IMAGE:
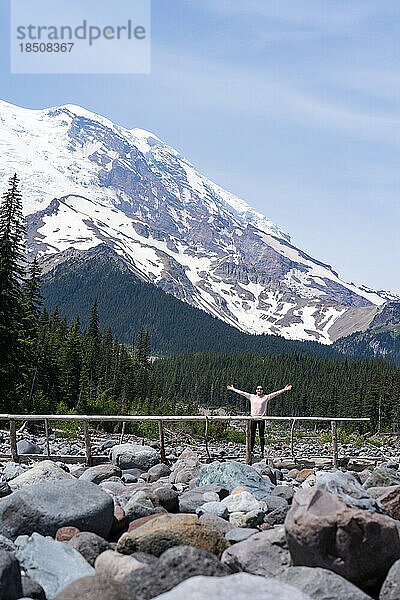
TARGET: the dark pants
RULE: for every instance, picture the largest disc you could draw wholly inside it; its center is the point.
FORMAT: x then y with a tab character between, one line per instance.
261	431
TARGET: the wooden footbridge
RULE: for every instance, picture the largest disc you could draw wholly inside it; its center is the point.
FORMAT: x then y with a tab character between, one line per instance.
160	419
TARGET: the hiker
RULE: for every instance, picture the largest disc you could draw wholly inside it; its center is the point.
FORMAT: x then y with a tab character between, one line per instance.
258	408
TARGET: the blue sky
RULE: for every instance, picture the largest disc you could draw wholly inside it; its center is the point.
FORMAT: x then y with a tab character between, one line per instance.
292	105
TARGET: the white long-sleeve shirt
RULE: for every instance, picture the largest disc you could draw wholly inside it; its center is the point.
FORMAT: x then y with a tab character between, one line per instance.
258	404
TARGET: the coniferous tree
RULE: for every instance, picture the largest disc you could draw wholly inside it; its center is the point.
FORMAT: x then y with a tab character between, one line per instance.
12	356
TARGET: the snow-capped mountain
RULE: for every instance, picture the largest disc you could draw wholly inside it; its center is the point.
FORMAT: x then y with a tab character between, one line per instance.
87	181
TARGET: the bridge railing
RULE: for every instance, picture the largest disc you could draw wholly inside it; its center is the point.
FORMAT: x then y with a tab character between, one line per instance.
161	419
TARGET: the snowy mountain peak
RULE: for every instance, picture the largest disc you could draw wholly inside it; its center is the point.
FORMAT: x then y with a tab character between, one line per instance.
87	182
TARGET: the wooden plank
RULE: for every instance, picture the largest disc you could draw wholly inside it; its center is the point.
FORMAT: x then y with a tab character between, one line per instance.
46	429
89	459
161	440
334	446
248	443
13	441
170	418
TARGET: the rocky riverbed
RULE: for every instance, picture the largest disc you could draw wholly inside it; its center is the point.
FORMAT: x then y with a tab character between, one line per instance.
134	528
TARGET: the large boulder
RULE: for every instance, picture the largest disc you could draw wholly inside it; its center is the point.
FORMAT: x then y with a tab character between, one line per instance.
349	489
53	565
321	584
323	531
27	447
391	586
166	531
134	456
10	576
174	566
99	473
160	470
240	586
185	468
382	477
45	507
265	553
96	587
391	501
231	474
46	470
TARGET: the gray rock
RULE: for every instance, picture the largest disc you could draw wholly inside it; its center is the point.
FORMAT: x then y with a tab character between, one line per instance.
277	516
323	531
116	566
185	468
107	445
160	470
128	456
89	545
220	524
284	491
5	489
240	586
272	503
12	470
190	501
167	498
99	473
264	469
349	489
174	566
265	553
231	474
382	477
239	534
53	565
250	519
377	492
27	447
321	584
10	576
45	507
391	586
7	544
242	502
96	587
32	589
216	508
46	470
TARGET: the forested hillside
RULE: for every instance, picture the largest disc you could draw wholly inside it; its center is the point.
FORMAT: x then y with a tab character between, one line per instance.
321	386
126	303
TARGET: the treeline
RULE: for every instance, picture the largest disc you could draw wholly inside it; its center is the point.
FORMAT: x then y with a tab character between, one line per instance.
321	386
48	365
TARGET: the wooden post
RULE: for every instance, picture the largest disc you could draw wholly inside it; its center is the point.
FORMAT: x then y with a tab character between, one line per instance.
89	459
334	445
46	429
206	439
291	438
13	441
122	432
248	442
161	439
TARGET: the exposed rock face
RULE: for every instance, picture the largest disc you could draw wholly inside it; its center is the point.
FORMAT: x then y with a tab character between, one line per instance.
45	507
10	576
323	531
391	502
391	586
172	225
96	587
382	477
